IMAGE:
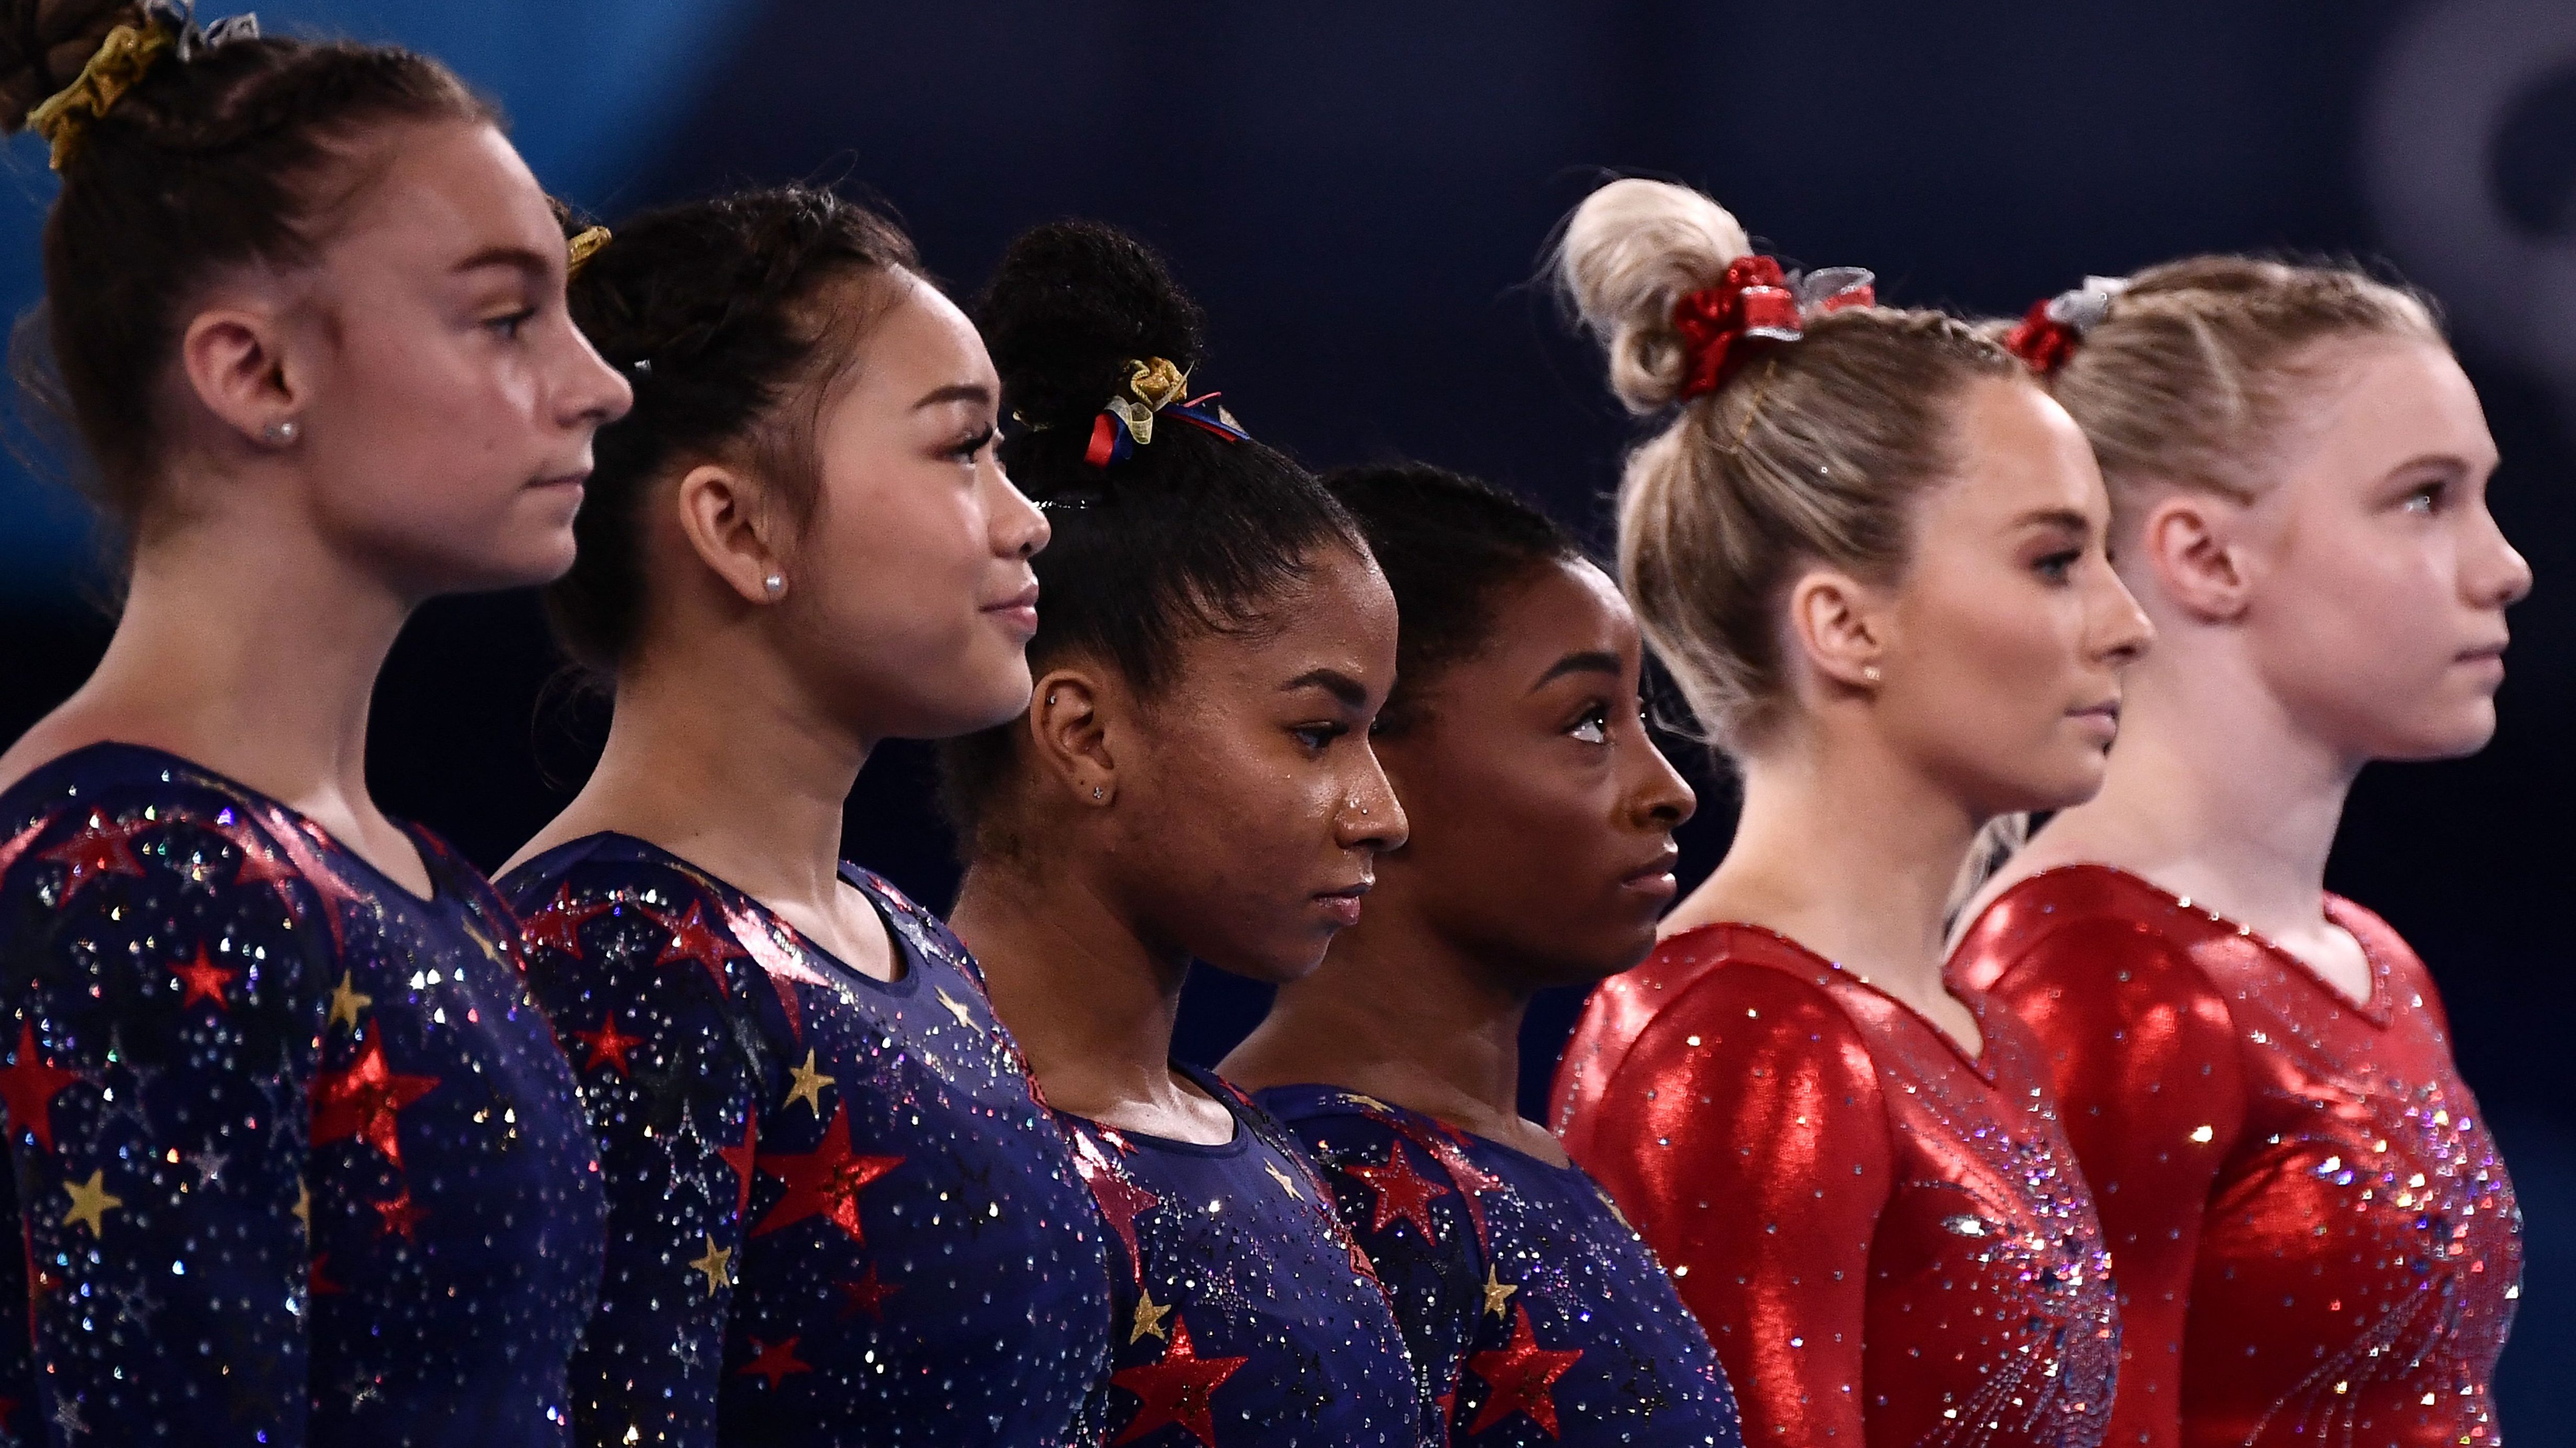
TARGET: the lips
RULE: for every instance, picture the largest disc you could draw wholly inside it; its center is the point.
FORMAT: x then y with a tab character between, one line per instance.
1342	906
1019	611
1655	877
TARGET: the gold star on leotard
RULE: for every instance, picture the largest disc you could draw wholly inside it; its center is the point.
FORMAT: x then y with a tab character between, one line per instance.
958	1009
347	1001
806	1085
717	1264
1281	1177
91	1202
1149	1318
1496	1290
304	1205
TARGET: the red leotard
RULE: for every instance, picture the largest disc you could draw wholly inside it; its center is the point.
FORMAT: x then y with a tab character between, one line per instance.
2314	1242
1887	1242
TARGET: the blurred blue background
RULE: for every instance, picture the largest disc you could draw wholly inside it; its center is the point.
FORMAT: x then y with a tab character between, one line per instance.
1359	194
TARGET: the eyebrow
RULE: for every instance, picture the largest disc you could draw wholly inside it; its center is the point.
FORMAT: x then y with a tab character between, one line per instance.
1586	661
2066	518
955	392
1350	691
518	258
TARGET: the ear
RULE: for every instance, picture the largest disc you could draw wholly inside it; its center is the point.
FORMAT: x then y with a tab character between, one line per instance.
1835	620
728	522
2192	542
1070	715
235	361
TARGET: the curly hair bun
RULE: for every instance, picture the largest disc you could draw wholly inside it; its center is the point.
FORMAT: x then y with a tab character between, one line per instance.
1072	307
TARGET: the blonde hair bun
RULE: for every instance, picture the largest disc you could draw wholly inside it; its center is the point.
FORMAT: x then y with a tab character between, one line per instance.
1630	251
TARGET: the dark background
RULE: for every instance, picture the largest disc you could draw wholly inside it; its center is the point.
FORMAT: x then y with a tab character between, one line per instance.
1359	195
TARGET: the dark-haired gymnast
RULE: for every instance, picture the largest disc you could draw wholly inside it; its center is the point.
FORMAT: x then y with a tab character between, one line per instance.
1541	852
1193	779
838	1213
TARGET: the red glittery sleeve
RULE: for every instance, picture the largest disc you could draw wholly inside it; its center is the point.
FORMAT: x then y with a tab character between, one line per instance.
1744	1135
2142	1051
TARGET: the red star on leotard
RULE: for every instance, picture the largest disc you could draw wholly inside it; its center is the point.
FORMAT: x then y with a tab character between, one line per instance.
824	1182
1520	1377
205	981
694	939
1175	1390
1403	1194
773	1361
318	1279
401	1217
19	842
558	925
866	1295
103	847
1121	1203
28	1087
608	1045
364	1102
739	1157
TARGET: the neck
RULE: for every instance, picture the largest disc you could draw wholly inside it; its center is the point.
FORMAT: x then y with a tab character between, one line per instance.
253	651
714	755
1850	853
1403	1013
1090	1000
2214	792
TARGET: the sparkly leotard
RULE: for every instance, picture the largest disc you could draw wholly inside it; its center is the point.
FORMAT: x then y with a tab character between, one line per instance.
296	1160
838	1213
1533	1313
1247	1318
2316	1242
1887	1241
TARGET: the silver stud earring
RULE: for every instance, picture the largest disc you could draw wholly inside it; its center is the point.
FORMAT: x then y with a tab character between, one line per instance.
1050	701
775	584
1869	672
1097	792
281	432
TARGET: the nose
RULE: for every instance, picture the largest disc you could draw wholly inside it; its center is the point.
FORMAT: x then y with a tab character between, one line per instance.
2499	576
1660	799
1371	818
594	393
2122	632
1020	527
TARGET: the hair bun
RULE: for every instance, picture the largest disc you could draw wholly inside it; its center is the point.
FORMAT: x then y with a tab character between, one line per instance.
1072	306
1630	251
45	43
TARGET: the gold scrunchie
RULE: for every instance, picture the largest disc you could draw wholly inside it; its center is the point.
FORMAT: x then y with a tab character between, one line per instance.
122	59
582	247
1156	383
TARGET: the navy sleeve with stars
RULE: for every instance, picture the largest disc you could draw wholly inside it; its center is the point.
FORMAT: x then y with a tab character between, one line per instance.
165	992
632	972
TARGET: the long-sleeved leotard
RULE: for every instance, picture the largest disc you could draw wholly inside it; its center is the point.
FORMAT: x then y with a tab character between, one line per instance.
2316	1242
1247	1317
838	1211
1887	1241
295	1158
1533	1313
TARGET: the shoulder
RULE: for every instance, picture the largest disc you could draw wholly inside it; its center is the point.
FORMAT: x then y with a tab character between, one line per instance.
2088	924
2409	980
920	929
567	899
1333	1122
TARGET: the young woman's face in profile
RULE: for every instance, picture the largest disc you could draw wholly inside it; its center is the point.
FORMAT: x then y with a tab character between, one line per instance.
2009	628
911	583
1541	812
1250	809
2380	580
452	417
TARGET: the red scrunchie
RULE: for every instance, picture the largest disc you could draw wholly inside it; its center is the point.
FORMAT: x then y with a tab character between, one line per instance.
2041	341
1753	302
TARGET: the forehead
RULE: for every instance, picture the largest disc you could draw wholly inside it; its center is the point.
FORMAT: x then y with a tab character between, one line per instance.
2378	403
2015	452
914	338
1561	606
432	194
1340	615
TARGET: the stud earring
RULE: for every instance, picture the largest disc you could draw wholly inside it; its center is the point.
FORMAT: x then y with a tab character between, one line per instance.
775	584
281	432
1096	792
1869	672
